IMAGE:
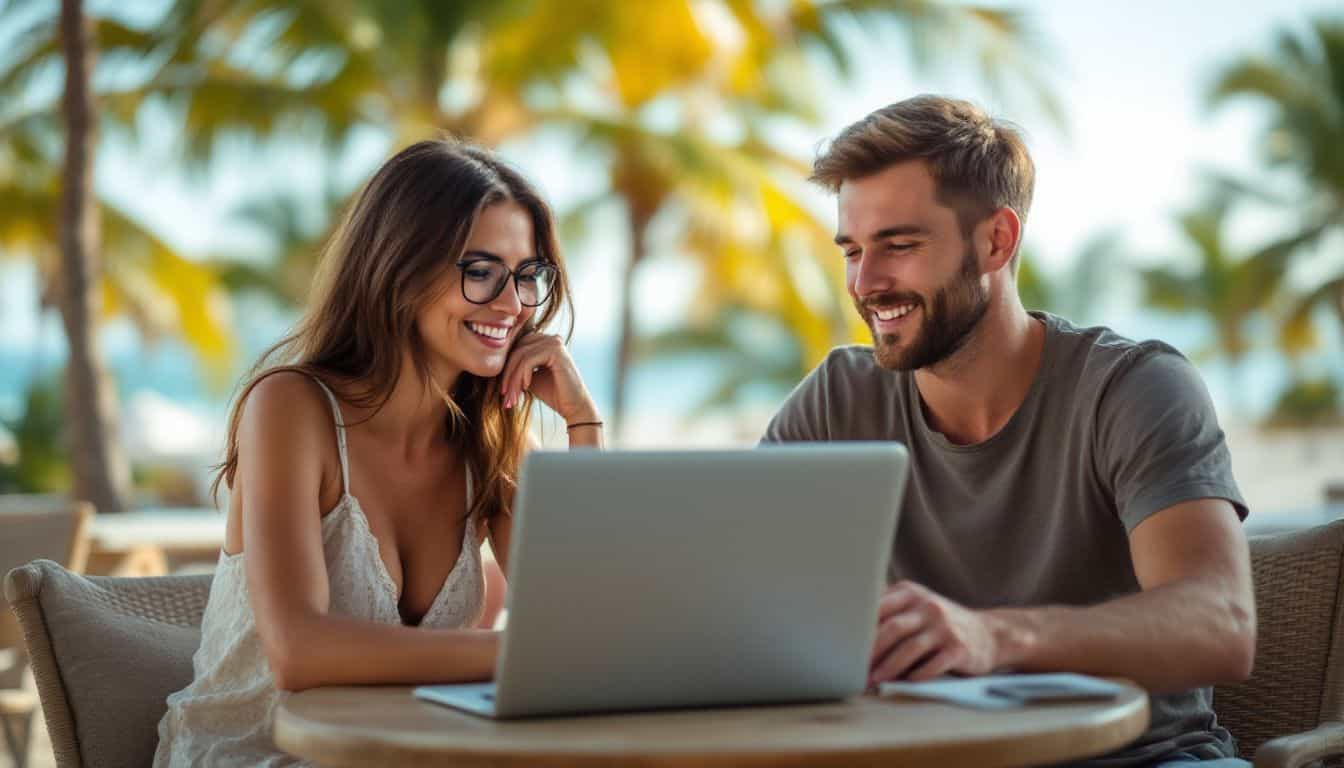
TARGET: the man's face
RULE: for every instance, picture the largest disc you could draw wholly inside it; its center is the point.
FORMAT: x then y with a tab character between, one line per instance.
914	278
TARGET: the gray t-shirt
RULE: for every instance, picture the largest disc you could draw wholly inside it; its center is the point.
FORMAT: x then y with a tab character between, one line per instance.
1111	432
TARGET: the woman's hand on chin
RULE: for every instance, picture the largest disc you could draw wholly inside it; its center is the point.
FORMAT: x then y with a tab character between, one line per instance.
539	363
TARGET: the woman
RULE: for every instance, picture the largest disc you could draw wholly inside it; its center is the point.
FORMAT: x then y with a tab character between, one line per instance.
352	552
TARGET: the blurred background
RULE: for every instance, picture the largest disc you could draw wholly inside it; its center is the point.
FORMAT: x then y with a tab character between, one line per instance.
1190	188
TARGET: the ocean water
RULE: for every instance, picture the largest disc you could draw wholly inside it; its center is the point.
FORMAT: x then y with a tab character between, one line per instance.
168	370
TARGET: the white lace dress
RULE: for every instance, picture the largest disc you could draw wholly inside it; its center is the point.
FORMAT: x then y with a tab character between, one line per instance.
223	718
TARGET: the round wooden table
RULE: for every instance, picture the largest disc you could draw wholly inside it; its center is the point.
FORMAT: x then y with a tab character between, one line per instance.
385	726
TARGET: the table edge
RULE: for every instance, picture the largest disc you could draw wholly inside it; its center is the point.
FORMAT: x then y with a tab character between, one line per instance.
336	746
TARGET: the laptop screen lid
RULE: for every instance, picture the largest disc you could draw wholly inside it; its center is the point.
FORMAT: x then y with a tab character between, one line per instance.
646	579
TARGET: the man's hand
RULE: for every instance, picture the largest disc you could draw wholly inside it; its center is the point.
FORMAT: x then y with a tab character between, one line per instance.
921	635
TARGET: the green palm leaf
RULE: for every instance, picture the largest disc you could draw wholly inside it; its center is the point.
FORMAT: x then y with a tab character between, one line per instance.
1302	83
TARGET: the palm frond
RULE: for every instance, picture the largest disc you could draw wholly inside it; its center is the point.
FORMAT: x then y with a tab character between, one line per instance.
1009	50
1329	294
1261	275
167	293
1258	77
1171	291
1223	183
27	216
686	341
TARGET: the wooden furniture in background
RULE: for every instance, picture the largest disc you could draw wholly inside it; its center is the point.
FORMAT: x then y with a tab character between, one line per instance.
154	543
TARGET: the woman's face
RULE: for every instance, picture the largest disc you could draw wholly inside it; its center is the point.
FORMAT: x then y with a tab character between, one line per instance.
460	335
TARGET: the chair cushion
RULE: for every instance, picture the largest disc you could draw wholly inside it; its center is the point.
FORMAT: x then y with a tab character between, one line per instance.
117	667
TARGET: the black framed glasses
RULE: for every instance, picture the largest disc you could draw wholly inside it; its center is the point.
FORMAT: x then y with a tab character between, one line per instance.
483	279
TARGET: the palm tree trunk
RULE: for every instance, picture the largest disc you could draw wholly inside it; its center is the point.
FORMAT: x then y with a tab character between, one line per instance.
101	475
625	347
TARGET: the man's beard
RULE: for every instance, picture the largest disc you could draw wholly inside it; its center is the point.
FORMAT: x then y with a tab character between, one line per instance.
947	321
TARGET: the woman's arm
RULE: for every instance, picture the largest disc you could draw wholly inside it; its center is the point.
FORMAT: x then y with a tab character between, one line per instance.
539	363
286	441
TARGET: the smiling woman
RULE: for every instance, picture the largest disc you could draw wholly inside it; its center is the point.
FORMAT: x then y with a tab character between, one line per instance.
358	559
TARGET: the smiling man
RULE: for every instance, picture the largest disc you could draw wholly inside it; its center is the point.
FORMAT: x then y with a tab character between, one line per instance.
1071	505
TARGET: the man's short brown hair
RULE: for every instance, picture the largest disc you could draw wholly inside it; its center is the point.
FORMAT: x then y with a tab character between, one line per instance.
978	164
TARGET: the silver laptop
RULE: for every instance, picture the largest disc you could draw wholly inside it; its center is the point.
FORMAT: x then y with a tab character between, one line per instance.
650	580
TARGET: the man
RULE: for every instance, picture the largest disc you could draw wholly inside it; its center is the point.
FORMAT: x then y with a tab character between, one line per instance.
1071	505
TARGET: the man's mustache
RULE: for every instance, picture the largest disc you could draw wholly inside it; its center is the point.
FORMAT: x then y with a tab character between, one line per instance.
869	303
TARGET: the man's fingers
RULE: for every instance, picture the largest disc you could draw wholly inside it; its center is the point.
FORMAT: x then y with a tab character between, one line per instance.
905	655
892	631
899	598
946	660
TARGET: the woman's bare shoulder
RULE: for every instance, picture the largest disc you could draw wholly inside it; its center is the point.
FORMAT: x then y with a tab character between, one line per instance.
287	405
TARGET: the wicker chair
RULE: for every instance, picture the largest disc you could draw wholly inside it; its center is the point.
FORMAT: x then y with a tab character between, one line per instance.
1298	684
106	652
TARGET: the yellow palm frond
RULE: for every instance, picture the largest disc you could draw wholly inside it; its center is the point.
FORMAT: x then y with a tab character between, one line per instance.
646	65
166	293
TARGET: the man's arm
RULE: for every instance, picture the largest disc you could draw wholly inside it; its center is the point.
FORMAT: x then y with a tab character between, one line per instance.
1193	623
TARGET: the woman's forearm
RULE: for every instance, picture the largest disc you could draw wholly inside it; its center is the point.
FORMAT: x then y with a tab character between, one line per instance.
586	435
340	650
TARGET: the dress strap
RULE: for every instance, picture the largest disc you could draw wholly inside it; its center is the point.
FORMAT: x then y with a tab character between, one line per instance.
340	435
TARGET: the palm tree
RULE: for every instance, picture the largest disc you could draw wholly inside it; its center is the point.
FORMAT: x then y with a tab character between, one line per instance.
100	474
713	184
493	70
1302	86
1229	288
49	213
325	69
401	61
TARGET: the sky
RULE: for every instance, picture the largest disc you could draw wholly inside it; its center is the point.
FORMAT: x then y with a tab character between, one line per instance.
1131	78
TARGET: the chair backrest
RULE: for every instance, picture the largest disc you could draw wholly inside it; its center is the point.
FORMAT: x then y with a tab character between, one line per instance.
106	652
1298	682
30	502
53	529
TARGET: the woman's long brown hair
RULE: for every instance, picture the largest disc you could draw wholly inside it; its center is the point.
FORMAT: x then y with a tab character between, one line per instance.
405	231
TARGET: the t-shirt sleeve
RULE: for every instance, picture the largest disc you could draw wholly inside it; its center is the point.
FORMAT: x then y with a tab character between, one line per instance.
1159	442
803	417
